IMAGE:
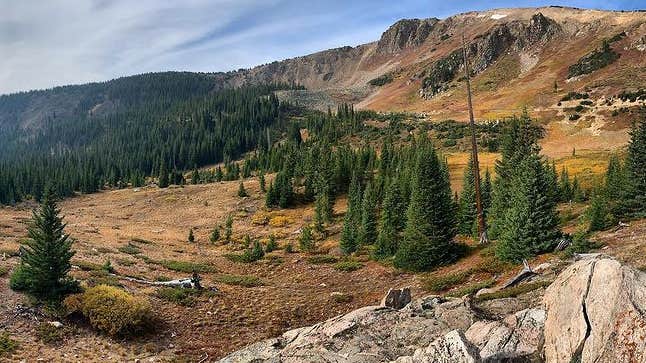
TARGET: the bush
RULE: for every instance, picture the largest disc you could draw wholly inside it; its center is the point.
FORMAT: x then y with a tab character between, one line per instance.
49	334
445	282
3	271
348	266
289	248
513	291
7	345
306	240
322	259
186	266
111	310
130	249
178	295
240	280
272	245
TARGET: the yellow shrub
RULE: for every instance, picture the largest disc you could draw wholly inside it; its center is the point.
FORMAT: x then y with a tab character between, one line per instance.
279	221
260	218
111	310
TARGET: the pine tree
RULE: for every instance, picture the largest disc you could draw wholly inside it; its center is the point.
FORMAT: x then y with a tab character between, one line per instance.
519	140
228	228
368	232
468	213
391	222
45	256
195	176
636	168
430	224
565	188
530	225
215	234
191	236
598	214
163	175
352	222
306	240
261	181
242	192
272	245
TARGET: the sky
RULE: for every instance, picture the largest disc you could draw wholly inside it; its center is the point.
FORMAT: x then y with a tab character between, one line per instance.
58	42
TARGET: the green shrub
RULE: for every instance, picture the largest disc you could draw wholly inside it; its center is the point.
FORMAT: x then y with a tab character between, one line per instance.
178	295
272	245
87	266
141	240
289	248
445	282
240	280
321	259
513	291
186	266
348	266
130	249
7	345
49	334
342	298
111	310
3	271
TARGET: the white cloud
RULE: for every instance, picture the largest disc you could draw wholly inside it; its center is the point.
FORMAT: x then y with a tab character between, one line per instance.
57	42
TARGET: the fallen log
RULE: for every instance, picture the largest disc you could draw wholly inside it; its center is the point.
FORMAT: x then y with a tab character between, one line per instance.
525	273
563	244
193	282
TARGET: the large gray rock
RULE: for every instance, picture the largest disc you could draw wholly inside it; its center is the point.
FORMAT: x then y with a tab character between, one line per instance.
397	298
595	313
519	336
370	334
451	348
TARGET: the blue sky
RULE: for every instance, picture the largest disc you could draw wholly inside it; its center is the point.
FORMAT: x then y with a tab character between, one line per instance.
57	42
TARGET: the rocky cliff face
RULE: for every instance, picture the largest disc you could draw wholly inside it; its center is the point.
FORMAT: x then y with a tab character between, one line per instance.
404	34
592	312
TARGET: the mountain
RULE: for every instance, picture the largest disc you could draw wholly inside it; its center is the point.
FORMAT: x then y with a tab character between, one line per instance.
581	72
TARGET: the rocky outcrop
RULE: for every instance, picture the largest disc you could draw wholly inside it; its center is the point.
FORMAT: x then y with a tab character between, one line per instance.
404	34
431	329
592	312
596	313
484	50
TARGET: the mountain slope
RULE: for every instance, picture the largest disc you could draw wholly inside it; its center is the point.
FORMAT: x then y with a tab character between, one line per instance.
520	58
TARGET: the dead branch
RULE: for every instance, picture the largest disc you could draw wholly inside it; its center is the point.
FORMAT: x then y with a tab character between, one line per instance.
522	275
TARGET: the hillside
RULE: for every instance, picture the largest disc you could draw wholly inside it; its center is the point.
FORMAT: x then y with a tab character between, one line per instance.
530	57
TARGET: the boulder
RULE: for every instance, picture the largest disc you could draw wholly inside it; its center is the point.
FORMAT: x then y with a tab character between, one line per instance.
367	335
517	337
397	298
595	313
451	348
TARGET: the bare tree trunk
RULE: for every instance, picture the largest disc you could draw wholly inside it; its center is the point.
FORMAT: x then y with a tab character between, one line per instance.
482	226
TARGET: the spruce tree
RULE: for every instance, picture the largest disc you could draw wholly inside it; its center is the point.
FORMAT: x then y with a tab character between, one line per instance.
228	228
45	256
430	224
261	181
529	225
306	240
391	222
163	175
519	140
242	192
352	221
215	234
368	232
468	214
636	168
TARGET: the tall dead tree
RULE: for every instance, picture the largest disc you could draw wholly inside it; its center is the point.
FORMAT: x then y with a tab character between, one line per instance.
482	226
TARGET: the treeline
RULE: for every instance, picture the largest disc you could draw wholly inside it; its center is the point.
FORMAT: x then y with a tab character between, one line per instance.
148	139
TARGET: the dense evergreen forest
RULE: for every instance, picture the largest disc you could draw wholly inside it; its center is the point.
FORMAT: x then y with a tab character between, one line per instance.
176	123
